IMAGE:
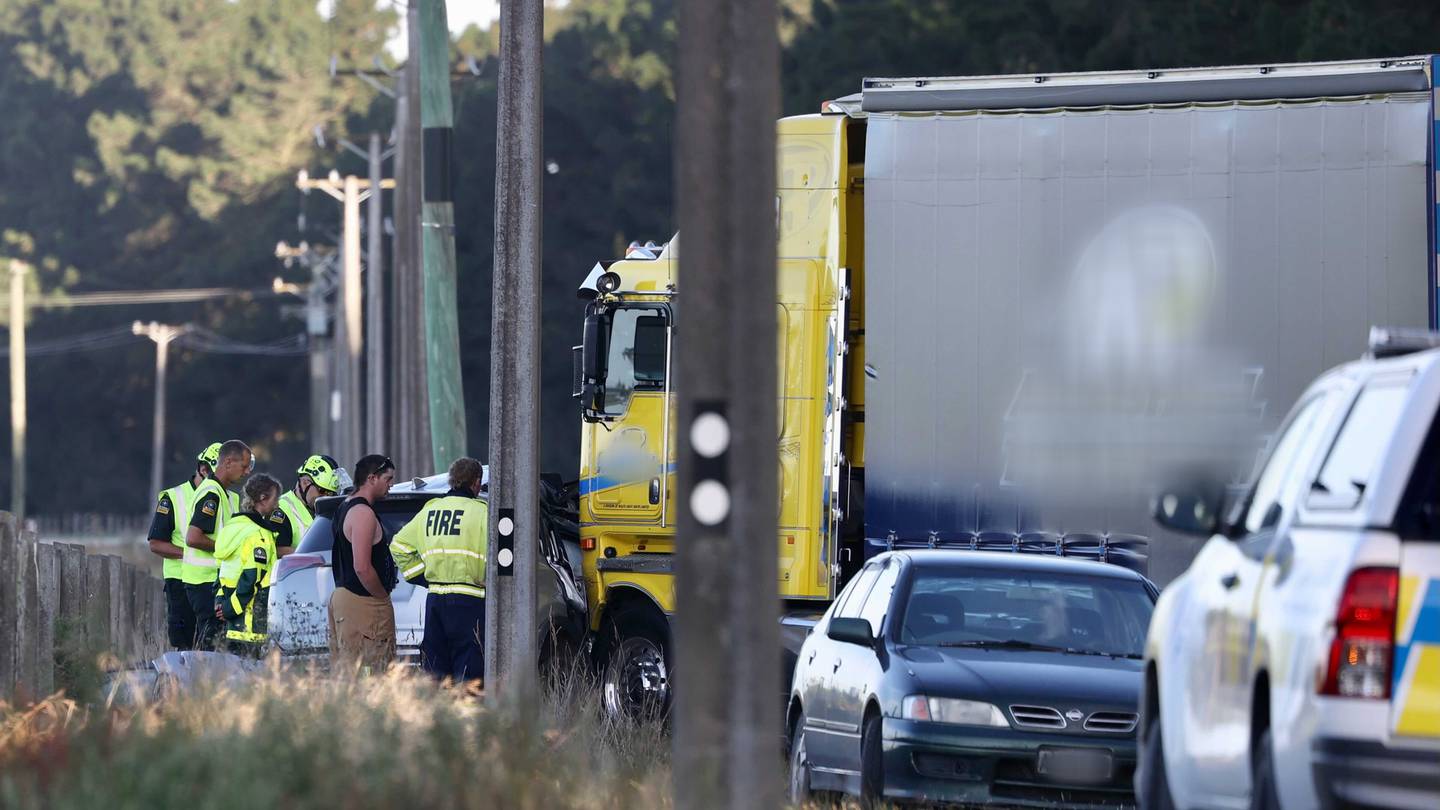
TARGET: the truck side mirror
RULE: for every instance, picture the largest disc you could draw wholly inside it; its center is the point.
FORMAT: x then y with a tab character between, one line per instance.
590	382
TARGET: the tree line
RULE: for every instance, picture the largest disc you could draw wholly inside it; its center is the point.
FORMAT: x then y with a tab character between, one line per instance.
153	144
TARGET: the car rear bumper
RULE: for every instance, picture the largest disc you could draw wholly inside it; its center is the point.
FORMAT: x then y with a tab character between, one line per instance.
1370	774
935	762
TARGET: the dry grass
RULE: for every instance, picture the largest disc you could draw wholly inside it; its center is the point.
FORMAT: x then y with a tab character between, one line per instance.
287	738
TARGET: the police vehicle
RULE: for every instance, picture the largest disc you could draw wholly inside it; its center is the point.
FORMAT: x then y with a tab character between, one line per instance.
1296	663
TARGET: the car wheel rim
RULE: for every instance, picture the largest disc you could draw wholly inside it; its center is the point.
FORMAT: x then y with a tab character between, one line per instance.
637	682
798	769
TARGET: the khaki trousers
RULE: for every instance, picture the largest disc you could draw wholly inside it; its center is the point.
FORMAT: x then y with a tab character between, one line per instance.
362	630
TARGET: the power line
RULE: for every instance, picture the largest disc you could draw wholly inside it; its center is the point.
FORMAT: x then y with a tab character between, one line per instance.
197	339
203	340
103	339
122	297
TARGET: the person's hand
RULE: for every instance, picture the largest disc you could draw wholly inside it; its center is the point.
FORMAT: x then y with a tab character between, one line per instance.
219	612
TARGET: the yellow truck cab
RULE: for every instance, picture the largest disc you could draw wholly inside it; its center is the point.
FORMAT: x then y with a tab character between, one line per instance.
628	444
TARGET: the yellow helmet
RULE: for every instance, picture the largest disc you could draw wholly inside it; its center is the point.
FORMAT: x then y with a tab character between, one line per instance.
210	455
322	470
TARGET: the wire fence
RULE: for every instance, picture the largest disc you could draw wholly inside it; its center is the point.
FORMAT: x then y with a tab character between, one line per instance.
87	524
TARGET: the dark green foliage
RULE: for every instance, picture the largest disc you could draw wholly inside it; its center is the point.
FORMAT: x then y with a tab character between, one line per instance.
153	143
848	40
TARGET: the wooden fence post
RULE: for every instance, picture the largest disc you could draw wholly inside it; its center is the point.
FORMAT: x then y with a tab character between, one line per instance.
159	622
8	603
47	588
97	605
125	644
73	597
27	666
117	603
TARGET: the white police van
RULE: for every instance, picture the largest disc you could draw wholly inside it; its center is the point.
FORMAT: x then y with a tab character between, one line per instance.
1296	663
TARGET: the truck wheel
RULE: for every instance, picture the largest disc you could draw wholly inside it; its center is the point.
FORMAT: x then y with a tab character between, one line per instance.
799	764
1152	786
635	683
1263	795
872	764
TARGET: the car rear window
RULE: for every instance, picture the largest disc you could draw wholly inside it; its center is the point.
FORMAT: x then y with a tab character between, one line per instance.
1106	615
393	516
1355	456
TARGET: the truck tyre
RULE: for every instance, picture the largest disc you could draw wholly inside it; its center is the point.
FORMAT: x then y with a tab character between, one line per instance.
635	681
872	763
1152	786
799	764
1263	795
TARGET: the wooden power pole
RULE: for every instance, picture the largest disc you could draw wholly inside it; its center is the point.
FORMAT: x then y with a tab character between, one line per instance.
514	439
437	237
411	420
375	368
727	723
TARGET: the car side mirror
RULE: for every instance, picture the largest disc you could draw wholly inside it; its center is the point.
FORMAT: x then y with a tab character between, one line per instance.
851	631
1192	507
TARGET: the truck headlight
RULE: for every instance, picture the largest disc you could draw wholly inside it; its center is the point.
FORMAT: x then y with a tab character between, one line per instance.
952	710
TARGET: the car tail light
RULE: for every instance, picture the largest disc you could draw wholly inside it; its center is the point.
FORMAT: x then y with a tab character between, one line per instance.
1363	651
296	562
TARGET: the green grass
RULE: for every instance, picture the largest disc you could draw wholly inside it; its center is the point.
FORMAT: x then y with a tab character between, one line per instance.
300	739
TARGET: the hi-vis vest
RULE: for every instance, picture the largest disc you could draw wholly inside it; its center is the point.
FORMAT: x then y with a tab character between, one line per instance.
241	548
199	567
182	497
447	543
298	514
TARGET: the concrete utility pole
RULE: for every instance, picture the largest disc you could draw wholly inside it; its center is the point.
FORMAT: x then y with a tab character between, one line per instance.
375	369
161	334
413	448
349	333
18	270
345	410
510	635
727	637
317	329
437	237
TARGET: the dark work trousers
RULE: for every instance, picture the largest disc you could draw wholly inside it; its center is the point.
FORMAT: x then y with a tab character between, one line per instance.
179	616
454	642
202	601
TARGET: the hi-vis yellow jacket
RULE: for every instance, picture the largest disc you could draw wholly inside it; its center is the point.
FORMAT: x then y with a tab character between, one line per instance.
443	547
247	554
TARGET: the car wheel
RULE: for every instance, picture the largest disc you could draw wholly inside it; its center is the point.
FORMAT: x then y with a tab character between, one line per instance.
799	764
1263	795
1152	785
872	764
636	680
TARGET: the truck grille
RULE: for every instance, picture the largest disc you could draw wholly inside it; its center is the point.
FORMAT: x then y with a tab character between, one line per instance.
1112	722
1036	717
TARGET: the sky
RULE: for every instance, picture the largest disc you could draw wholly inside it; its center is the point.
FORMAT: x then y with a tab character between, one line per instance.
458	13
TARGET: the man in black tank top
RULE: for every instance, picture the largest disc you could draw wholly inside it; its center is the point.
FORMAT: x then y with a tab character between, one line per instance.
362	619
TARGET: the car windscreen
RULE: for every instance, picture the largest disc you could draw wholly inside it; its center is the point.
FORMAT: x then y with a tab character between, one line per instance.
1005	608
393	516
